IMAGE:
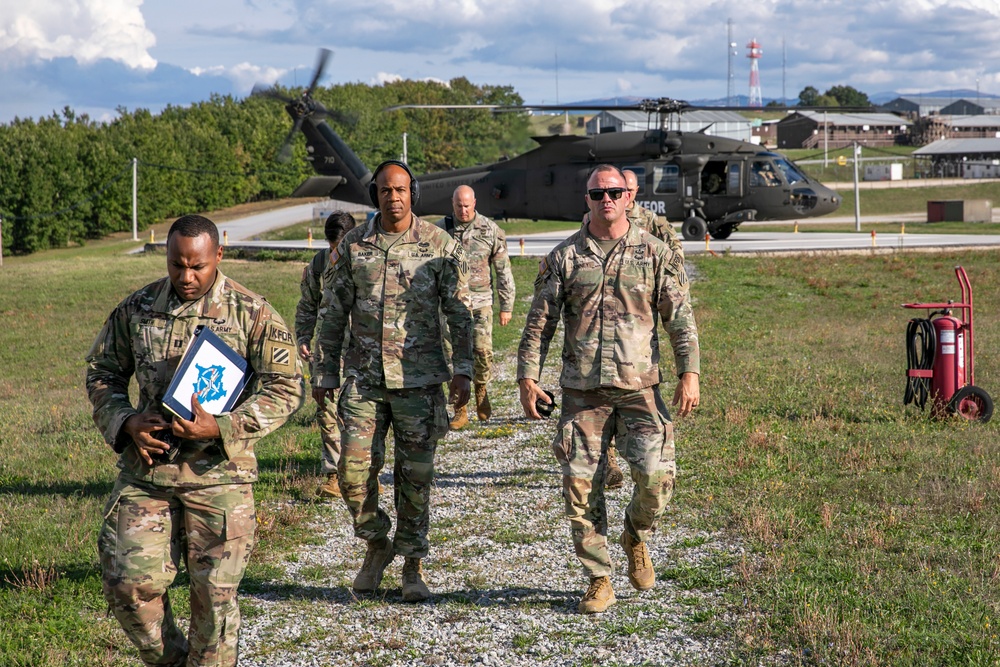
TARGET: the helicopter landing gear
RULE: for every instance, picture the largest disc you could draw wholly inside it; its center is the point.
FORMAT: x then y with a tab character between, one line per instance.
722	232
694	229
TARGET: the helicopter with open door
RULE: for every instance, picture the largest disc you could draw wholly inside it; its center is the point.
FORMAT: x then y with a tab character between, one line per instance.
710	184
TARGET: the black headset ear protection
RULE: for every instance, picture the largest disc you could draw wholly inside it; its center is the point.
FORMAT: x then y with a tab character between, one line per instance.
414	186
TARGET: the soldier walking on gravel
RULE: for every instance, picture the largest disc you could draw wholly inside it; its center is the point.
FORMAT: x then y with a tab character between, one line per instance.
337	224
391	279
611	282
639	216
184	488
485	246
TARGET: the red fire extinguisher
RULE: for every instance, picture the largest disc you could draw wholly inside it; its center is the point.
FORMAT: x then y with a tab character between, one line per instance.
940	357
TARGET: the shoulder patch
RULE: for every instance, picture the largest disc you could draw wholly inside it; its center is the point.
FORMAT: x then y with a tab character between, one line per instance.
543	267
334	255
279	350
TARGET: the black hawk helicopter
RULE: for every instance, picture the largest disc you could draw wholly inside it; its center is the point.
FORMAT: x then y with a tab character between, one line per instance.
711	184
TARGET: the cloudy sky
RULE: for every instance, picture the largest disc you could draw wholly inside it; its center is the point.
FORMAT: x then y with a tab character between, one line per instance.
98	55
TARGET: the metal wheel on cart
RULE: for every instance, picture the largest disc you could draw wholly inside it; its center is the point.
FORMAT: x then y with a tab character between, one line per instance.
972	403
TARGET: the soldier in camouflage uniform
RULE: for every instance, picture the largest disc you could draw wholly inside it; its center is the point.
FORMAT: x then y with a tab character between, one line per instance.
485	245
184	487
611	282
391	279
337	224
641	216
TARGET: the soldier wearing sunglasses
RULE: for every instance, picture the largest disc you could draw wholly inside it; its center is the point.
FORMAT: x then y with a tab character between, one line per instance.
612	283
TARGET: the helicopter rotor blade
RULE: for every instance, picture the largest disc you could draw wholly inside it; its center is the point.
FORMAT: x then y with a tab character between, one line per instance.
285	152
662	106
322	59
270	91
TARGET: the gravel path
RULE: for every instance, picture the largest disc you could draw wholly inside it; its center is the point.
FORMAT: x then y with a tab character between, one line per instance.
504	579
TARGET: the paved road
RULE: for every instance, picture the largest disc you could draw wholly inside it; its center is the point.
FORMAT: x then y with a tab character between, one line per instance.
241	233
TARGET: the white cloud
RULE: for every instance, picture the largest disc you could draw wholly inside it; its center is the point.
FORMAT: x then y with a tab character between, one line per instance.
383	78
86	30
244	75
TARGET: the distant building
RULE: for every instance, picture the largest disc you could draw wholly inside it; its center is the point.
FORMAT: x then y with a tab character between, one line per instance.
935	128
765	132
917	106
728	124
965	107
814	129
965	158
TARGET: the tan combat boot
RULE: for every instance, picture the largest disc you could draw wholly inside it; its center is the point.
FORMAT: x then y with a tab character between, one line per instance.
640	566
599	596
483	408
330	488
414	588
615	477
377	558
460	419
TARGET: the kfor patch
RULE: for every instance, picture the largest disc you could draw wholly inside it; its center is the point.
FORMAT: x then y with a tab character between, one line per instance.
279	350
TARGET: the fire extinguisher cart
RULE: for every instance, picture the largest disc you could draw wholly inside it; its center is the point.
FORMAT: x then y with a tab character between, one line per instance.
941	358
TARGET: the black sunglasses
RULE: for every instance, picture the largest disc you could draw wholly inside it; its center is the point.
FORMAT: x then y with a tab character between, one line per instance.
597	194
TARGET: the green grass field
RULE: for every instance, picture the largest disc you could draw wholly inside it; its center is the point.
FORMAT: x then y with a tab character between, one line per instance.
871	531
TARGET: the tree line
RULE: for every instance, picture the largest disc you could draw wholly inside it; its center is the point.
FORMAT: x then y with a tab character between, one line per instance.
835	96
67	178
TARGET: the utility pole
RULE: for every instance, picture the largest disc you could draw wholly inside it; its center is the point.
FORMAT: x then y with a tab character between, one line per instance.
135	199
857	192
404	149
826	136
784	99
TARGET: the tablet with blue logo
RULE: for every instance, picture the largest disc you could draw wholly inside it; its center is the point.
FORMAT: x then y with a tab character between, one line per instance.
211	369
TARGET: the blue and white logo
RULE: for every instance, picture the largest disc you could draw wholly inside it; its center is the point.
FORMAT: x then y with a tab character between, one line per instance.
208	384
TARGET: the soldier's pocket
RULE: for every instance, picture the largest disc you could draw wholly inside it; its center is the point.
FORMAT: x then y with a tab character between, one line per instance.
565	442
667	450
107	539
440	407
135	537
223	540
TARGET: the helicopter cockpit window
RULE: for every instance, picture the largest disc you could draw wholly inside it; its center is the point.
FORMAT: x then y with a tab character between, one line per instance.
762	175
666	179
734	178
791	172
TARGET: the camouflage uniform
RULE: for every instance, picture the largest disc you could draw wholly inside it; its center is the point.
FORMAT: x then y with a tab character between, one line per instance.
655	225
306	313
610	305
485	245
394	367
200	506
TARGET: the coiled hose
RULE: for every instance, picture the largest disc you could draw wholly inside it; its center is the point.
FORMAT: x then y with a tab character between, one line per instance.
920	344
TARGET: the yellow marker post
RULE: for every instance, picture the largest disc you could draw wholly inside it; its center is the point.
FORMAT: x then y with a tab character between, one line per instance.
225	237
796	228
522	246
152	236
873	238
902	228
310	237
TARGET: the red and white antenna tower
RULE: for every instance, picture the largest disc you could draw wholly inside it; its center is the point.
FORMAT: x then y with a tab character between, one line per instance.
753	53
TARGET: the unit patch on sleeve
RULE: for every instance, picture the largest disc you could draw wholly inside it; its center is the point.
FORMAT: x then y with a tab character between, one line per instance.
279	350
280	356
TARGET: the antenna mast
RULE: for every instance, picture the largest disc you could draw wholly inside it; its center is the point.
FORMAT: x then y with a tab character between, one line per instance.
730	52
753	53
